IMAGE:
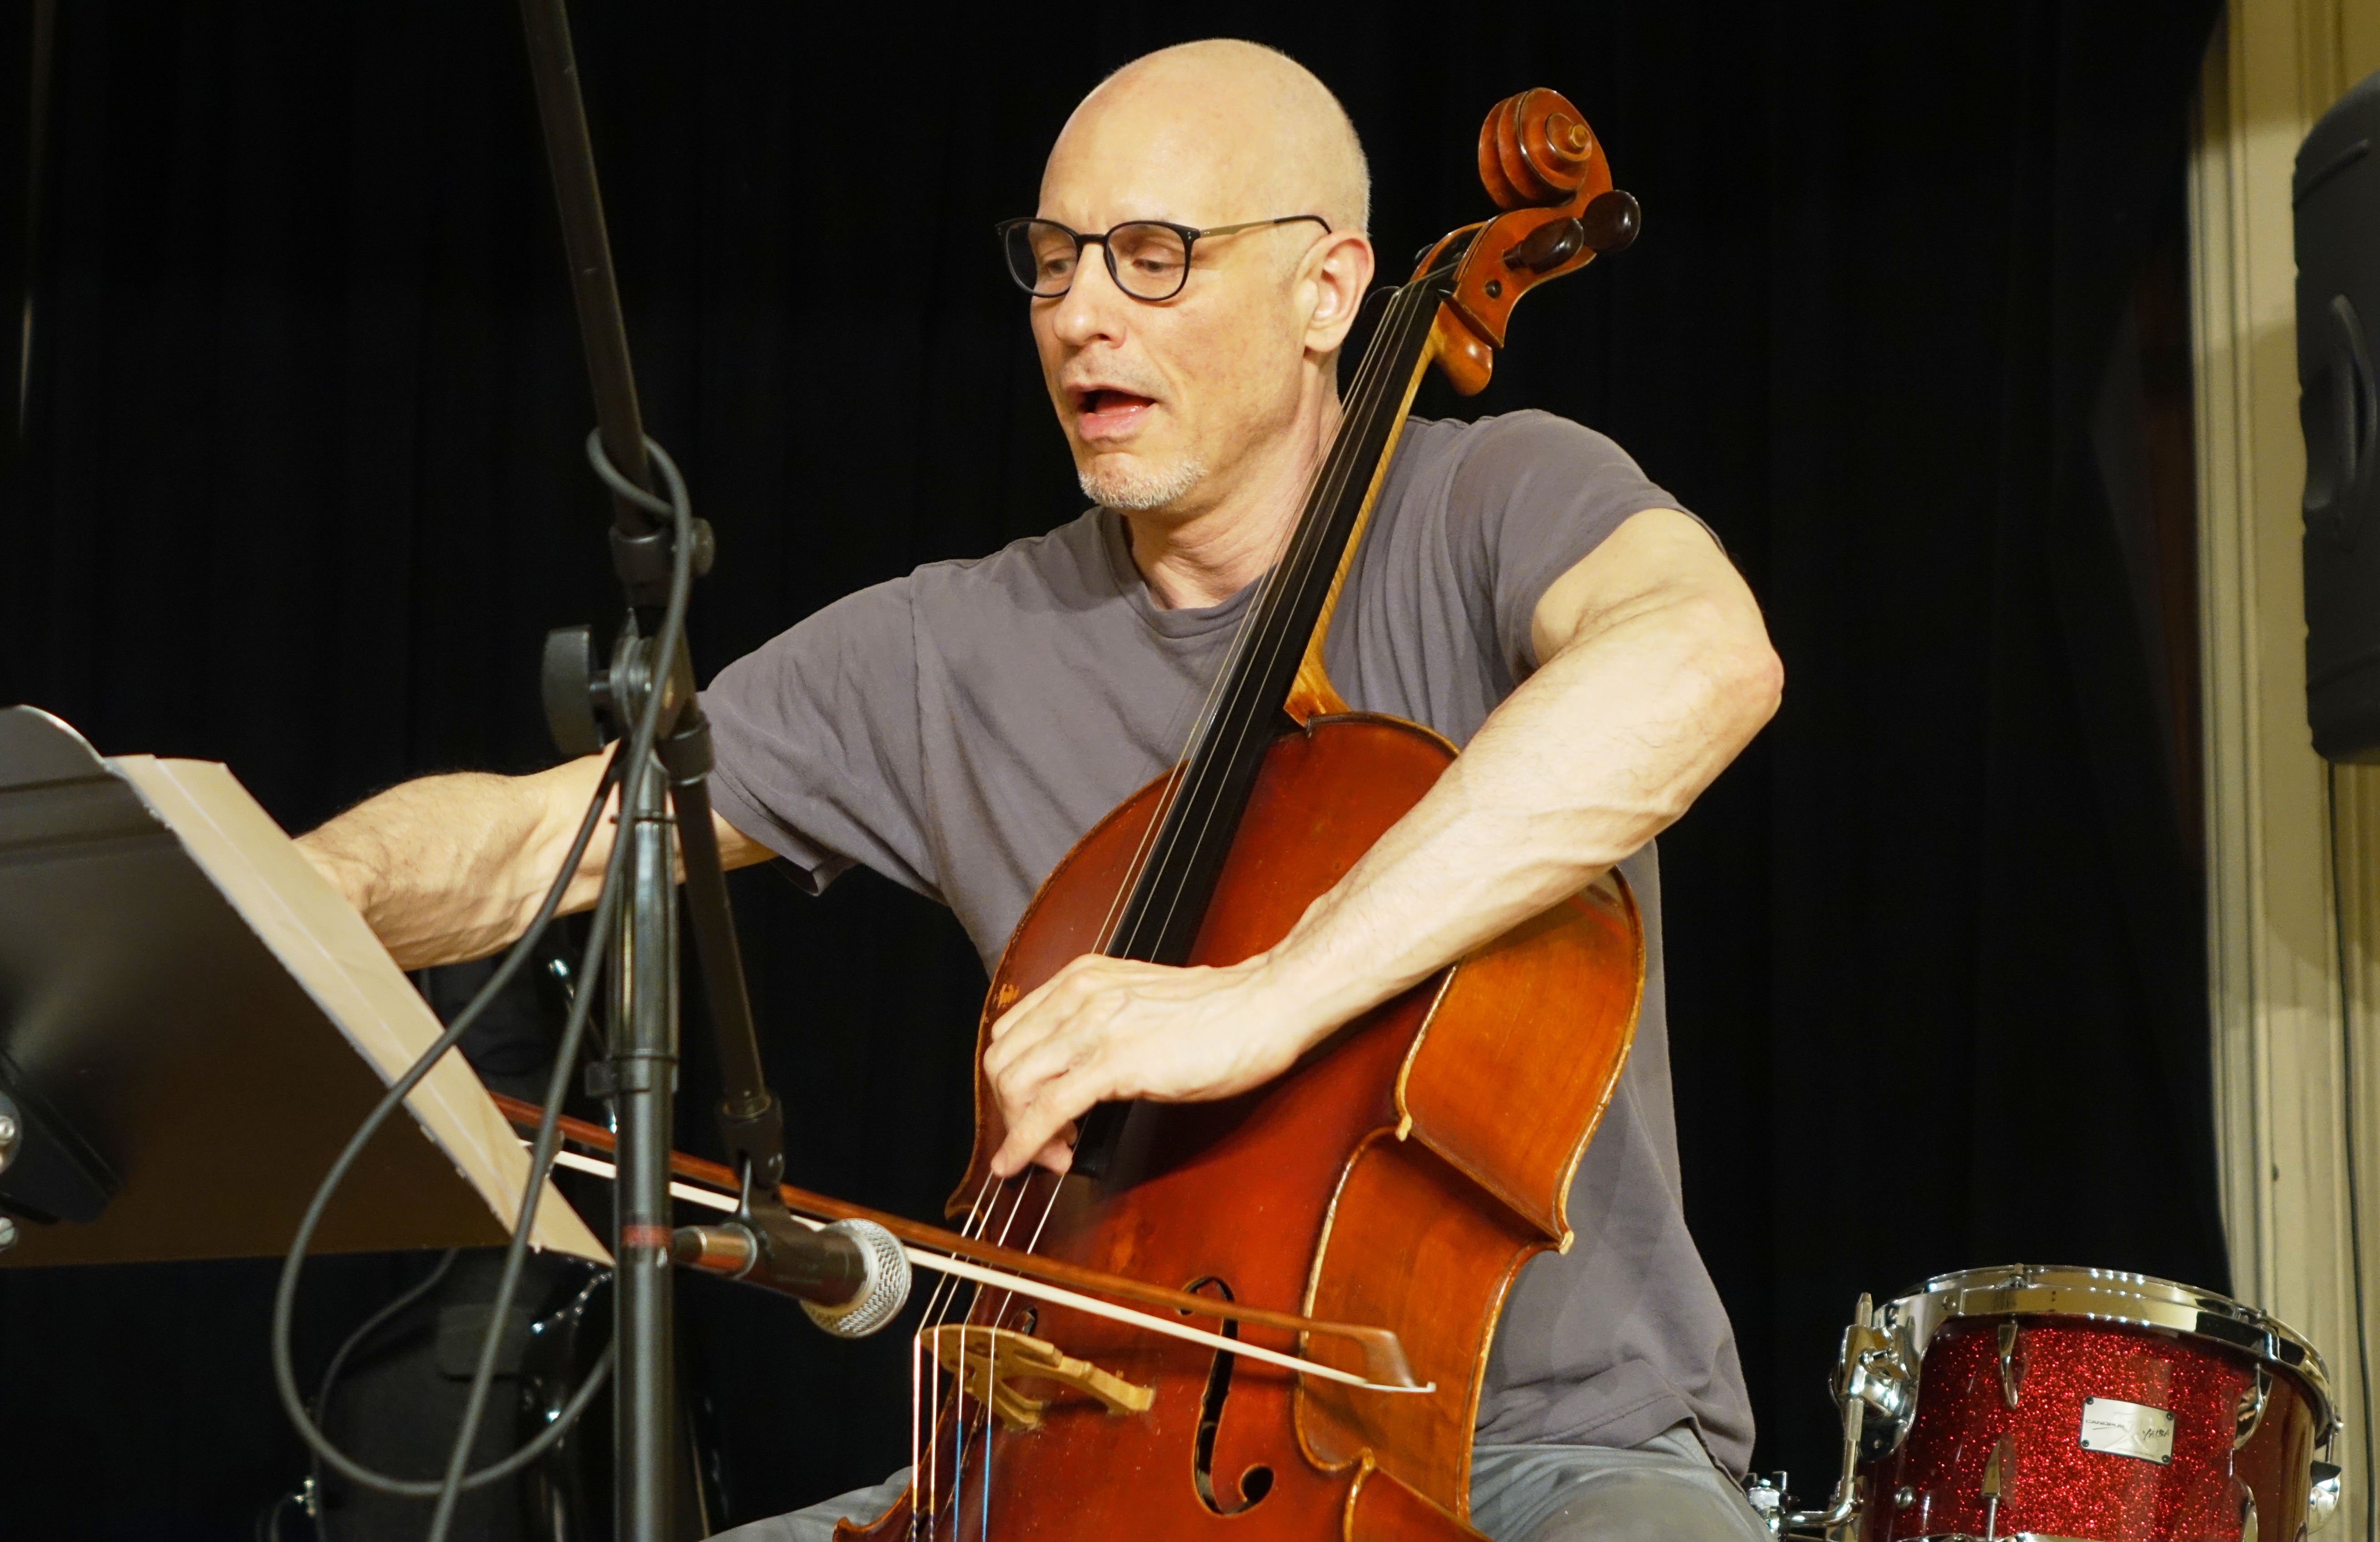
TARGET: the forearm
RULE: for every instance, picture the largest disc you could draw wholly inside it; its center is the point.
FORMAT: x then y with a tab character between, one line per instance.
1595	754
1657	672
451	867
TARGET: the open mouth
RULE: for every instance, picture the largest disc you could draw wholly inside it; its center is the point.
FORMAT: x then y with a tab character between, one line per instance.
1107	413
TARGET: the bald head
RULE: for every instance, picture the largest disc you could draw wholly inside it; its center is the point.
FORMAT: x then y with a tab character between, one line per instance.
1206	408
1216	132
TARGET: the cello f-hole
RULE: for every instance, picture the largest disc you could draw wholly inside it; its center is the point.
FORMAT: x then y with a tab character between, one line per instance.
1256	1481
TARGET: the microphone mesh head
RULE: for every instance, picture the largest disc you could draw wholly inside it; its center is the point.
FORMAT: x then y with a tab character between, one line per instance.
881	1298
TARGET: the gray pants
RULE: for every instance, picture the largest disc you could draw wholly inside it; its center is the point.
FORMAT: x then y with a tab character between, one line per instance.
1665	1490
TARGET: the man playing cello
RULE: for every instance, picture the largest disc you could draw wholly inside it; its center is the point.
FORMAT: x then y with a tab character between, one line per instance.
1522	590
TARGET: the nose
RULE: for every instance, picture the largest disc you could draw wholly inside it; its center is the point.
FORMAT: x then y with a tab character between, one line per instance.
1092	308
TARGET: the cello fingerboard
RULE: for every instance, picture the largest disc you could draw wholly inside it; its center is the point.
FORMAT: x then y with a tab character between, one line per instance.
1159	922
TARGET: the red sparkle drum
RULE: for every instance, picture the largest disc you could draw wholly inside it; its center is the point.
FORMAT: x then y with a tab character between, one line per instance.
2051	1403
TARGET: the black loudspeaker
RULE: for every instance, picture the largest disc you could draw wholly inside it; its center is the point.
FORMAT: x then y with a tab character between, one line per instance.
2337	194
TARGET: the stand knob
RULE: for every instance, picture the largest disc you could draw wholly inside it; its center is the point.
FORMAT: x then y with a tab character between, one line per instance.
569	682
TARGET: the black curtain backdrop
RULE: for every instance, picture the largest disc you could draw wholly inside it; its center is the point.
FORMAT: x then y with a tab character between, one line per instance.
301	490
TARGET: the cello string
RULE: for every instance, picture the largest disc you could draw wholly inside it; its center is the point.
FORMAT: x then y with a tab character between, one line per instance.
955	1400
1209	707
1015	1186
917	1381
1360	392
1311	536
1032	1245
1273	631
1201	723
1322	490
958	1438
942	1287
1200	720
1016	1203
976	1229
936	1314
1272	602
1328	485
1375	377
1270	613
992	1372
940	1310
991	1395
1016	1207
1042	1224
929	1319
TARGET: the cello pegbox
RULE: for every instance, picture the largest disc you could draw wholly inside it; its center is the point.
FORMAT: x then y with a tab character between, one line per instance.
1544	167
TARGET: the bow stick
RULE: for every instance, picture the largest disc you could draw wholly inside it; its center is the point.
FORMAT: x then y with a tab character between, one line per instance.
1386	1369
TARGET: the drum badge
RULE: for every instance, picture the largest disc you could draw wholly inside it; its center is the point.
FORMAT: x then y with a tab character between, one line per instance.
2122	1429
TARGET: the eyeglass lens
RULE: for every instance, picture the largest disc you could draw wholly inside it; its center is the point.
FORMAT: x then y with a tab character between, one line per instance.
1149	262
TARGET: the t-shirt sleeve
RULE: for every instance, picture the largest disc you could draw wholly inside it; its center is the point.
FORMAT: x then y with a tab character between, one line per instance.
815	743
1531	495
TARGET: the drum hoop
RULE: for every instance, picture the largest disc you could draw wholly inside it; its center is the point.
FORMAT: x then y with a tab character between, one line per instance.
2112	1296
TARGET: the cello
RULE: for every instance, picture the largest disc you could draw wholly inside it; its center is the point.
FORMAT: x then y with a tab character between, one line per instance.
1384	1180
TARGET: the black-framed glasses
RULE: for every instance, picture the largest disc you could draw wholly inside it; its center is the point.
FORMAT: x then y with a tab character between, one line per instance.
1149	259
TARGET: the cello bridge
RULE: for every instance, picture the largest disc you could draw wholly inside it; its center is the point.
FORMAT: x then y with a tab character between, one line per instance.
991	1363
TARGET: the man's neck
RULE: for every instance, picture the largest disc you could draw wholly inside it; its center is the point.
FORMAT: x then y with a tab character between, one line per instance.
1206	556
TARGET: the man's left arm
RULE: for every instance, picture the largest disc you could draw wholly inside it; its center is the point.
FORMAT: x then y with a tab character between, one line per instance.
1656	672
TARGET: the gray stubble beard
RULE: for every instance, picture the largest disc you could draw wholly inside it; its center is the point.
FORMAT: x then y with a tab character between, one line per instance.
1137	492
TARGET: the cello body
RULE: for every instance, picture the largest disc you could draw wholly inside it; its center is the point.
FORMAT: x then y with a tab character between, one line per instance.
1400	1175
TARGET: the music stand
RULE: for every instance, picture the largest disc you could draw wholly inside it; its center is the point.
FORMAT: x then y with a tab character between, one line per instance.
193	1022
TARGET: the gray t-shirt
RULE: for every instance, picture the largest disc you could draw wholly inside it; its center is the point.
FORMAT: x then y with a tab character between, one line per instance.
958	728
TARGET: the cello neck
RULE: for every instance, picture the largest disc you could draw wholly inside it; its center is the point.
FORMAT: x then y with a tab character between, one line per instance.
1272	678
1263	683
1367	440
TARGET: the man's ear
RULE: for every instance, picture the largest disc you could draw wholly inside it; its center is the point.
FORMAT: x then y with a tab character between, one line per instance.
1339	270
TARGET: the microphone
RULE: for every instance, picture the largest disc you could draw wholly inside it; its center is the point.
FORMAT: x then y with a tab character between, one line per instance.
852	1278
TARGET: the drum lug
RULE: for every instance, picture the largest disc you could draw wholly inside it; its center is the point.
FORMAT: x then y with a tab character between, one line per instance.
2248	1518
2251	1412
2322	1503
1996	1478
2011	1368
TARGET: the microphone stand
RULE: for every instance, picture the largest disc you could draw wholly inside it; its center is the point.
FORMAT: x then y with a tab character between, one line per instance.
666	798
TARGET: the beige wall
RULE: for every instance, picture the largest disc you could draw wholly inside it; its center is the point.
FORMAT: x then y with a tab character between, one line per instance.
2293	935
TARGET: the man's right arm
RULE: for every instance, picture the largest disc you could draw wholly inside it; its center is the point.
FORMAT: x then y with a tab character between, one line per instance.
451	867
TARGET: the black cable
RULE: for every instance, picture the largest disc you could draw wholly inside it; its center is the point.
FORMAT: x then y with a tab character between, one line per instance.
638	749
285	1299
638	760
371	1324
449	1489
268	1525
338	1363
2344	959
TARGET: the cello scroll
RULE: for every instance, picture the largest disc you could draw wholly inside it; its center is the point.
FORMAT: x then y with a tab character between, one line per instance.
1544	168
